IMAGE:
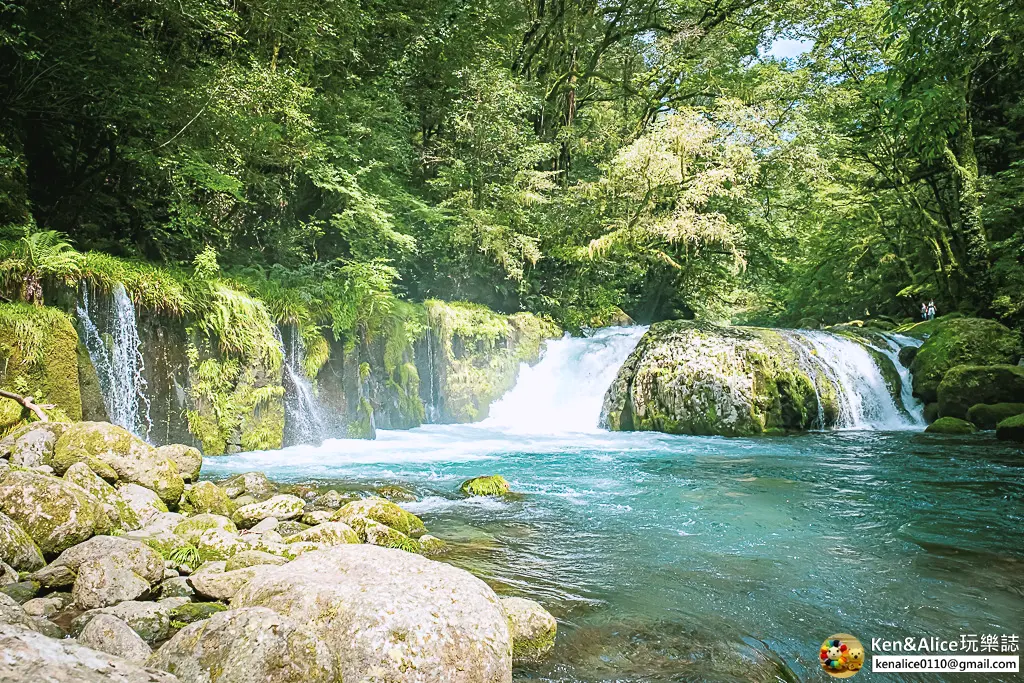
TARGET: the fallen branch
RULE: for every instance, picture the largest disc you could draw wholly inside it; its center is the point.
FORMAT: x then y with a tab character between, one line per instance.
28	402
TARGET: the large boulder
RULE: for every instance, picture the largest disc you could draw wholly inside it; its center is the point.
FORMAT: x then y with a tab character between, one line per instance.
17	548
966	385
133	555
490	485
151	620
329	533
243	645
962	341
533	629
116	454
383	511
205	496
252	558
279	507
32	445
106	582
188	459
254	484
1011	429
11	613
55	513
191	528
144	502
118	510
107	633
987	416
28	657
693	378
389	615
224	585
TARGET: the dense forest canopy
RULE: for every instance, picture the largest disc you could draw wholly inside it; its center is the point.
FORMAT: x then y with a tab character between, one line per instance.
571	157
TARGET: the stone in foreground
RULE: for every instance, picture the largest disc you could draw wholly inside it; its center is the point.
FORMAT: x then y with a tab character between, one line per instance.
390	615
29	657
109	634
951	425
533	629
243	645
17	548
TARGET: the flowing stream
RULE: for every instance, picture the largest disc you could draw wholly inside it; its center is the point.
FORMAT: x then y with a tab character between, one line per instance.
672	558
111	337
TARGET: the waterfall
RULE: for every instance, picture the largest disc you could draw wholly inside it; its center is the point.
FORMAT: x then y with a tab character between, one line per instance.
864	399
565	390
304	422
893	343
112	340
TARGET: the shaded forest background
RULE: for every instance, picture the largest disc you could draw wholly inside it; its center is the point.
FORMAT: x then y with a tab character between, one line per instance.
570	157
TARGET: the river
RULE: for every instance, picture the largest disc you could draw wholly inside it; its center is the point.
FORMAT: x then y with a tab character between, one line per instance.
702	558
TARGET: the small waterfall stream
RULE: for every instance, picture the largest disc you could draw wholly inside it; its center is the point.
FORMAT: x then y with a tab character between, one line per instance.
111	337
304	421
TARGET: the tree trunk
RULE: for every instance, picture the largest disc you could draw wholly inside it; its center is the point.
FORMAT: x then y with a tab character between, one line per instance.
964	165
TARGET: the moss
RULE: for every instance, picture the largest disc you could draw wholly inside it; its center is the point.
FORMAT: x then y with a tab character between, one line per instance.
951	425
477	354
987	416
966	385
195	611
492	485
962	341
39	357
1011	429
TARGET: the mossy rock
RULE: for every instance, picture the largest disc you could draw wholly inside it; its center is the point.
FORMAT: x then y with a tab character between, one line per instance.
56	514
532	628
382	511
394	493
195	611
120	512
39	356
207	497
17	548
961	341
1011	429
931	412
951	425
966	385
188	459
492	485
116	454
987	416
193	527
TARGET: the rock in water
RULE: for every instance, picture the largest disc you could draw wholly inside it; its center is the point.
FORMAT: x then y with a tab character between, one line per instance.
492	485
329	533
951	425
17	548
116	454
694	378
29	657
962	341
243	645
988	415
55	513
391	615
1011	429
109	634
189	460
533	629
382	511
966	385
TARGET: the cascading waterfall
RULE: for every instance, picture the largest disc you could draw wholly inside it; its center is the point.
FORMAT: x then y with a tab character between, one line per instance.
565	390
893	343
115	353
865	401
303	417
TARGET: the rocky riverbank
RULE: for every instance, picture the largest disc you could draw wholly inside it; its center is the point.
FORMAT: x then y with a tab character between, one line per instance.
116	561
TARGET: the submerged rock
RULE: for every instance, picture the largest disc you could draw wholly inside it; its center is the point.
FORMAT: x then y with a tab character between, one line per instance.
532	627
29	657
492	485
55	513
116	454
243	645
951	425
391	615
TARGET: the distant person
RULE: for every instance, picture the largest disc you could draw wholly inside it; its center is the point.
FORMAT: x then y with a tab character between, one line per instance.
924	311
931	310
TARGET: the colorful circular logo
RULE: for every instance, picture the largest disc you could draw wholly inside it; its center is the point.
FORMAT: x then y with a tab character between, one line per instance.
842	655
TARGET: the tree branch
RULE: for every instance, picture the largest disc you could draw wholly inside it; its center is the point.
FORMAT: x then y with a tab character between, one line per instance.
28	402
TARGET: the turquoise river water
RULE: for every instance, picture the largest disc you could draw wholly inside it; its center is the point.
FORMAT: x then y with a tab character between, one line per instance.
677	558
